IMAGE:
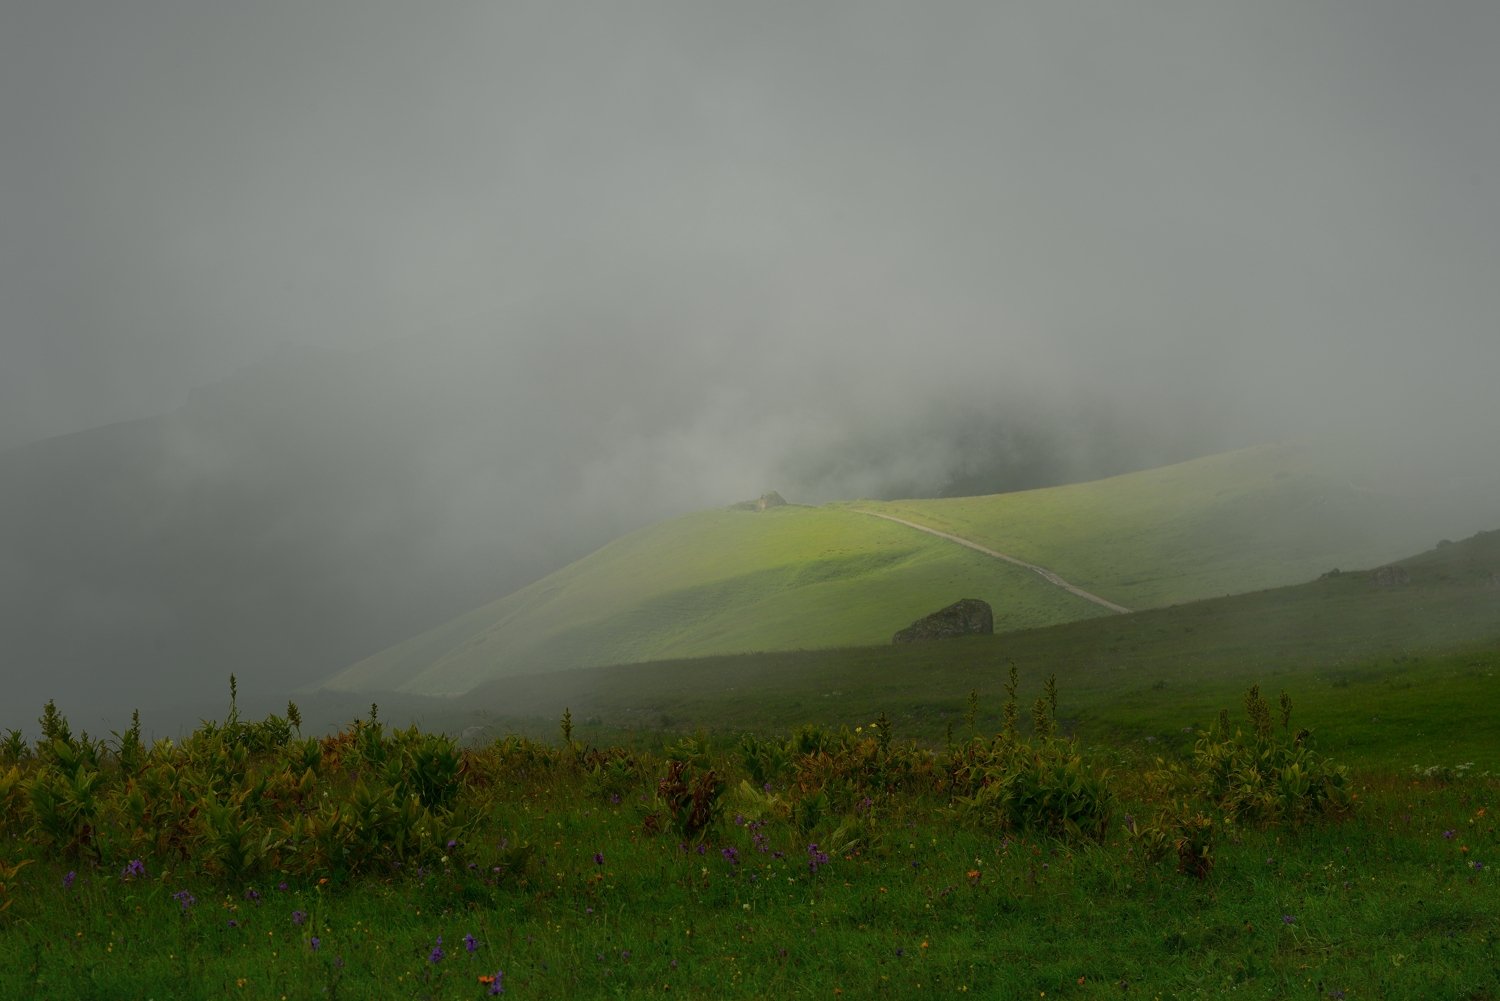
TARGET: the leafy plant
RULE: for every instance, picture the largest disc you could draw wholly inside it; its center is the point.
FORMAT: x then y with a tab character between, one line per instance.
765	760
690	798
1041	784
8	872
1262	776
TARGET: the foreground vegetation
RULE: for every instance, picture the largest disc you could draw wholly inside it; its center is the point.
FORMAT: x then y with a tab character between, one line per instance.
250	861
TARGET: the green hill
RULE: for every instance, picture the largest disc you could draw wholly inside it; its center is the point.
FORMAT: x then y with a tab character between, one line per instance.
716	582
1399	666
793	577
1224	524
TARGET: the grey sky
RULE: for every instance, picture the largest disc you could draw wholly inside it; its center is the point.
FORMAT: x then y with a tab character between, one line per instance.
1225	205
583	265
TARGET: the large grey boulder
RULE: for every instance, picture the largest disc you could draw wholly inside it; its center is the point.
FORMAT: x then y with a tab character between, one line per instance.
962	618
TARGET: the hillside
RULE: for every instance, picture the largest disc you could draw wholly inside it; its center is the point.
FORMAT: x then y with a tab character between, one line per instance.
1224	524
716	582
795	577
1357	648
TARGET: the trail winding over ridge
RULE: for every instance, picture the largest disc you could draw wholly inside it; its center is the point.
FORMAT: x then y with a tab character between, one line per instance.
1047	575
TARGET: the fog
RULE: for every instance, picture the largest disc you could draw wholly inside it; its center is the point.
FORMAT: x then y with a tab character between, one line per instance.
320	323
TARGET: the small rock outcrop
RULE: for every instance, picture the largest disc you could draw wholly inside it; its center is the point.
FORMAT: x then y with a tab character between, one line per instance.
769	499
1391	576
962	618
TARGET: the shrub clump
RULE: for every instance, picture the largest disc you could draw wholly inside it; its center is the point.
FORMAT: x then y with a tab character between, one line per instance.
1042	783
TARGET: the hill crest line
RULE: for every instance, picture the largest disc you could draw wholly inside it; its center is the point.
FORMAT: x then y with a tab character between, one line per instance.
1049	576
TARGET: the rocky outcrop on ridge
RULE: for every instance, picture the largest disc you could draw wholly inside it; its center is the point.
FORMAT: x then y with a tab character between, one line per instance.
769	499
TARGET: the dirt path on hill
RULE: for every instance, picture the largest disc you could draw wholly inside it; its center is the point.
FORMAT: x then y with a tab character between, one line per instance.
1047	575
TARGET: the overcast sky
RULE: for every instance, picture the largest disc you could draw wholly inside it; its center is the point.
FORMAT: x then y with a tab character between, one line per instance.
1251	214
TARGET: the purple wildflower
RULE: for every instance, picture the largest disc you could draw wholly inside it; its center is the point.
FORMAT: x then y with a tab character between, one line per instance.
452	844
1478	866
252	895
134	869
731	855
815	857
1450	835
68	878
281	886
471	944
299	917
437	953
1287	919
186	899
497	985
598	858
314	943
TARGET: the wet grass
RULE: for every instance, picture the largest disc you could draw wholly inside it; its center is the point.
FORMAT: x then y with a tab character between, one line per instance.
1398	902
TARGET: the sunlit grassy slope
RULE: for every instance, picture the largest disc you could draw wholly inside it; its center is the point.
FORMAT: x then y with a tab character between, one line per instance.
1400	672
717	582
1225	524
795	577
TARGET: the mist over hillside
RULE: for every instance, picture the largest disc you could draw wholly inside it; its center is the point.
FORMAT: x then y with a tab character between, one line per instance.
310	512
320	324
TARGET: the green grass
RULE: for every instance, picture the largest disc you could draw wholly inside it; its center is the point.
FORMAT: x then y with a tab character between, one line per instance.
715	582
789	578
1224	524
1364	652
927	904
1383	909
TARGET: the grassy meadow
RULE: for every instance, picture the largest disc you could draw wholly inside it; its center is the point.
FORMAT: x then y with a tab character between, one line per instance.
249	862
